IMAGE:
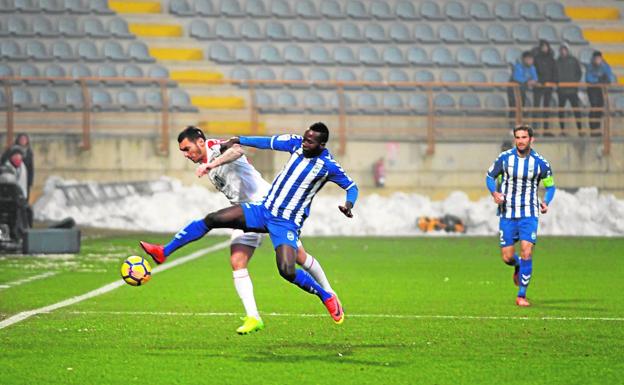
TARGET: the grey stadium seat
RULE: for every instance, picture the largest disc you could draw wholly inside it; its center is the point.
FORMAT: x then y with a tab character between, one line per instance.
17	26
325	32
6	70
470	104
281	9
134	71
314	102
369	56
449	34
152	100
11	50
477	77
505	11
300	31
490	57
205	8
431	11
51	6
481	11
418	57
418	104
467	57
456	11
393	56
555	12
73	99
181	8
61	50
375	33
445	104
572	34
93	27
405	10
423	76
88	51
423	33
473	33
49	100
256	9
521	33
100	7
530	11
319	55
240	73
68	27
367	103
101	100
512	54
500	76
269	54
266	74
129	101
263	101
244	54
220	53
548	33
158	72
496	105
380	10
350	32
331	9
355	9
250	30
27	6
27	70
75	7
373	76
451	76
275	30
287	102
442	57
23	100
345	75
398	76
108	71
114	51
138	51
224	29
399	33
319	75
199	29
585	55
393	104
118	28
36	50
42	26
497	33
79	70
55	71
294	54
7	6
180	101
231	8
344	56
306	9
294	74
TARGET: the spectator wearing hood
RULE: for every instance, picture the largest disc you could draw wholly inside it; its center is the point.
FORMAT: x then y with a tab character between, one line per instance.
598	72
23	141
15	165
546	69
569	71
525	75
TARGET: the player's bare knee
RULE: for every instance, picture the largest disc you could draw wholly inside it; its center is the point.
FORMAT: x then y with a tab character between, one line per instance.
210	220
286	271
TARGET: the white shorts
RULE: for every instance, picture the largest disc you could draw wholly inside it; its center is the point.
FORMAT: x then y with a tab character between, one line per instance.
239	237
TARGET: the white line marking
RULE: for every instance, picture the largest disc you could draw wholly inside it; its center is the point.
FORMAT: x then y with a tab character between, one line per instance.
348	315
106	288
28	279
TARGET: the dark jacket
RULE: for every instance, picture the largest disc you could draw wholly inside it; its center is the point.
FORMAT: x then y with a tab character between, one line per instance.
545	64
569	71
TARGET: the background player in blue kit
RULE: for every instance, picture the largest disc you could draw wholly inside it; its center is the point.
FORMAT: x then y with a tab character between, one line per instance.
284	209
521	169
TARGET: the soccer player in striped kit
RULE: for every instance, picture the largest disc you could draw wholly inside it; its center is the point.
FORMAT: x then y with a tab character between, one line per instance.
521	169
283	210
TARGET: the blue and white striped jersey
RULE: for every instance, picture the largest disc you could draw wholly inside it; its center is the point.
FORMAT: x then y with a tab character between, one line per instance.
301	178
520	180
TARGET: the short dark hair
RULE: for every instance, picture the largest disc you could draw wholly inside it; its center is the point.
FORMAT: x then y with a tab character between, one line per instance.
596	54
523	127
322	129
527	54
191	133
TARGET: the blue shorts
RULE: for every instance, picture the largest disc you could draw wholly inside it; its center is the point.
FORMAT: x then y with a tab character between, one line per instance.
513	230
281	231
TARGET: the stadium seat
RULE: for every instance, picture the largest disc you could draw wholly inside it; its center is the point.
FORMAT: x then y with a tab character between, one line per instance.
240	73
220	53
423	76
23	100
43	27
93	27
380	10
449	34
250	30
135	72
345	75
504	11
6	70
456	11
396	75
269	54
405	10
490	57
481	11
344	56
181	8
17	26
501	76
27	70
51	6
114	51
477	77
7	6
306	9
314	102
294	74
158	72
445	104
325	32
73	99
206	8
373	76
585	55
27	6
331	9
80	70
572	34
68	27
294	54
129	101
275	30
101	100
431	11
423	33
555	12
451	76
287	102
263	101
62	51
367	104
350	32
244	54
319	55
230	8
467	57
10	50
618	105
418	57
180	101
319	75
369	56
521	33
36	50
3	100
442	57
100	7
54	71
152	100
224	29
399	33
548	33
355	9
137	50
264	74
106	70
496	105
281	9
472	33
375	33
119	28
75	6
393	104
470	104
418	104
512	55
49	100
498	34
300	31
199	29
335	100
529	11
393	56
256	9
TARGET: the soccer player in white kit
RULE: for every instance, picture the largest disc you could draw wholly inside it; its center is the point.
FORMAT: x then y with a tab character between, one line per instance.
233	175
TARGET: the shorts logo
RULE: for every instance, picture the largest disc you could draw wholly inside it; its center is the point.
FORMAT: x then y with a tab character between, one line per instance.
290	235
533	235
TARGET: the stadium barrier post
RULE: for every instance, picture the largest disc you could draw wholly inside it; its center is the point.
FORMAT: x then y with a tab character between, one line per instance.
9	114
430	122
342	129
519	103
606	130
164	124
86	116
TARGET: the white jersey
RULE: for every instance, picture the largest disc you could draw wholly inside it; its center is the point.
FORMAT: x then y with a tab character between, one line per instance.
239	181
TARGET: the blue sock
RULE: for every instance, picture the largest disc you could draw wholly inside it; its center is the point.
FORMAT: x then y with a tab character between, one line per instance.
305	281
192	232
526	269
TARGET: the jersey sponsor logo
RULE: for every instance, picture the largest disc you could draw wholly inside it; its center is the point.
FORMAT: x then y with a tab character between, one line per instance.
533	235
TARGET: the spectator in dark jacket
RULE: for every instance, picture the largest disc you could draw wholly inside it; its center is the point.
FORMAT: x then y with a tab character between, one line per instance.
546	73
569	71
23	141
524	74
598	72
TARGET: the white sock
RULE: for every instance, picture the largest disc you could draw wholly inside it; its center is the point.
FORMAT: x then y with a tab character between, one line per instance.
244	287
312	266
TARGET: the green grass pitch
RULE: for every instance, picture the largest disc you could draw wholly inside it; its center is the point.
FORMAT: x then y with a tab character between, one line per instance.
418	311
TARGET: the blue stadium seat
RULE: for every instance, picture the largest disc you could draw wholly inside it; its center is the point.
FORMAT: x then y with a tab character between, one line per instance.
294	74
314	102
181	8
375	33
431	11
256	9
269	54
250	30
477	76
55	71
206	8
306	9
263	101
512	54
281	9
418	57
73	99
423	33
530	11
393	56
114	51
572	34
355	9
100	7
118	28
555	12
79	70
325	32
17	26
331	9
27	6
498	34
220	53
93	27
467	57
138	51
266	74
11	50
224	29
319	55
445	104
501	76
62	51
51	6
75	7
367	104
393	104
129	101
134	71
287	102
335	100
43	27
396	75
350	32
240	73
319	75
101	100
490	57
470	104
300	31
380	10
399	33
521	33
106	70
157	72
449	34
418	104
423	76
50	100
37	51
199	29
6	70
231	8
27	70
442	57
68	27
88	51
496	105
345	75
456	11
548	33
504	11
344	55
152	100
244	54
294	54
405	10
451	76
180	101
275	30
369	56
481	11
23	100
473	33
373	76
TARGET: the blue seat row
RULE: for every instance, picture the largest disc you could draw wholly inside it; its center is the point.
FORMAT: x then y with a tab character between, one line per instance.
78	7
80	50
65	26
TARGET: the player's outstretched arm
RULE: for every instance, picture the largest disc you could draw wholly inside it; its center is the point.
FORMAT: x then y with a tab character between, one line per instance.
549	183
228	156
352	194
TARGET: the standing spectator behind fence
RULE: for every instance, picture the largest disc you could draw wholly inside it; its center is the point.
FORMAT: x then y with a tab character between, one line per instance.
23	141
525	75
569	71
14	165
546	69
598	72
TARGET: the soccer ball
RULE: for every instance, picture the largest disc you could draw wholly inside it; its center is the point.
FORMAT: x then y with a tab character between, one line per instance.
136	271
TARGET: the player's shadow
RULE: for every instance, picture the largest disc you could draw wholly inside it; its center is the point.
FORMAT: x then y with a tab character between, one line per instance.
571	304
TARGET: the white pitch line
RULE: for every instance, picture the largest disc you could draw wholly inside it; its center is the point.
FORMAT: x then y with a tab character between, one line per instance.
348	315
28	279
106	288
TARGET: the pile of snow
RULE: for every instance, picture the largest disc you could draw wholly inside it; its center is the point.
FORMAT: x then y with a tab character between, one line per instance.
585	212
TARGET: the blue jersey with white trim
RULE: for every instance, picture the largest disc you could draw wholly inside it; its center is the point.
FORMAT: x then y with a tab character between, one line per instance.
520	180
301	178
